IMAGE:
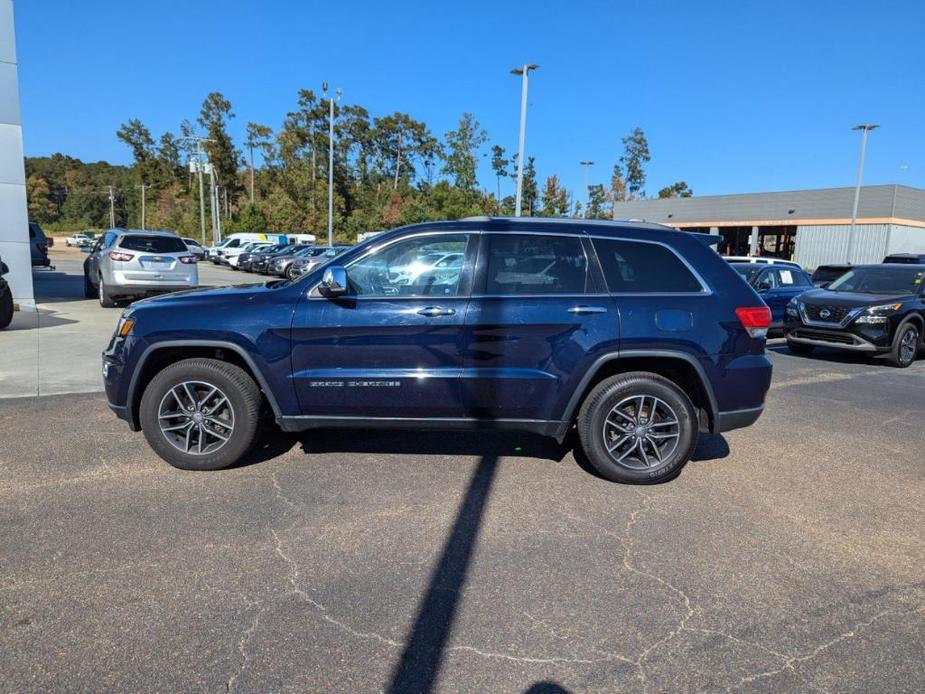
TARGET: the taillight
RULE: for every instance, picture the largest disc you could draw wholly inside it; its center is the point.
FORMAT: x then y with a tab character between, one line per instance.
755	319
121	257
188	259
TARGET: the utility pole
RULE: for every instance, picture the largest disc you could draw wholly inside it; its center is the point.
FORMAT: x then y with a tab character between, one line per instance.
334	97
864	128
586	163
196	166
112	209
524	72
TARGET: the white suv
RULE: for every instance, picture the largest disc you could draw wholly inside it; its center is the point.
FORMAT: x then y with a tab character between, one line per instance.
128	263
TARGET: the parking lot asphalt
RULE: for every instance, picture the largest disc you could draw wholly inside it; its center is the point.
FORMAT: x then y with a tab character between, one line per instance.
56	349
786	557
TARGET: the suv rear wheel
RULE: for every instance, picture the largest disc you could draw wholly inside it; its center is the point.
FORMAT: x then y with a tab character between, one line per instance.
638	428
6	305
201	414
106	300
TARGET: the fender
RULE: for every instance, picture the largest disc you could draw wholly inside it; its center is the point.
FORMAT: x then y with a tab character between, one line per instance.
575	400
131	399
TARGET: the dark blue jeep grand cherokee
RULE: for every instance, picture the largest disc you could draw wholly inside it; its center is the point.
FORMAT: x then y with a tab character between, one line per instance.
639	335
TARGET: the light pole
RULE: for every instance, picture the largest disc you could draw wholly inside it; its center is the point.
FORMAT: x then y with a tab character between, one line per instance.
587	164
334	97
864	128
524	72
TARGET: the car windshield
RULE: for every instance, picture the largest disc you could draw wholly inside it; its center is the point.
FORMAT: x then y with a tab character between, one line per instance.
880	280
153	244
747	270
827	274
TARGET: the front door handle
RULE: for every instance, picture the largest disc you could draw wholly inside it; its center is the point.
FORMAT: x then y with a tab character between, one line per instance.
584	310
432	311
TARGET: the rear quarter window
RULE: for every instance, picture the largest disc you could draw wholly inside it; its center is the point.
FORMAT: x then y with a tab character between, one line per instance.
153	244
647	268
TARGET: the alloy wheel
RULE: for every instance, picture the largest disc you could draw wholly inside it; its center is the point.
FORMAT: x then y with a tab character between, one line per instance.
908	346
641	431
196	417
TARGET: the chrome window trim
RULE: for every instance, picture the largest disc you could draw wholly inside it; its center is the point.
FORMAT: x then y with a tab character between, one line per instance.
705	289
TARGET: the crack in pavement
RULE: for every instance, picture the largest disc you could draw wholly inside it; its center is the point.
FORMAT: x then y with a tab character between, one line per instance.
792	661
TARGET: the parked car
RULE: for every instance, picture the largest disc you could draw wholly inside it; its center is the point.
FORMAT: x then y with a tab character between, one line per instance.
247	260
872	309
308	263
279	264
758	259
77	240
194	247
776	285
826	274
230	257
6	298
260	262
38	244
238	239
608	344
906	258
130	263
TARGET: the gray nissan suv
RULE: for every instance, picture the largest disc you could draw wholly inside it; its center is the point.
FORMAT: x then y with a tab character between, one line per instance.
129	263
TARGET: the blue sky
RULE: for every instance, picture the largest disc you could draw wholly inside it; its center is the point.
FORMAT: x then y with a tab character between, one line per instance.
734	96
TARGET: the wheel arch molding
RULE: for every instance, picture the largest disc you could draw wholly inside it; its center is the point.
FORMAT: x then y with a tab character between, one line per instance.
601	368
140	377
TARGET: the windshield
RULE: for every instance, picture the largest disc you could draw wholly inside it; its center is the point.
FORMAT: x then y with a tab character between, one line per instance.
880	280
747	271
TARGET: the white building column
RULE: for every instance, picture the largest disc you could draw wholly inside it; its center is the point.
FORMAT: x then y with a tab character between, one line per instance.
753	242
14	219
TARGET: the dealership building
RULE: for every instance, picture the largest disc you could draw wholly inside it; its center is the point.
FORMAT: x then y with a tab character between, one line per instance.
811	227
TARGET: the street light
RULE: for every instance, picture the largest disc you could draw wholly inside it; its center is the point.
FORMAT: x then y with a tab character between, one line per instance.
524	72
331	99
864	128
586	163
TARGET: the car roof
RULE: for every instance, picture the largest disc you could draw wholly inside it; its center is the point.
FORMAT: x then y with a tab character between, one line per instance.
906	255
145	232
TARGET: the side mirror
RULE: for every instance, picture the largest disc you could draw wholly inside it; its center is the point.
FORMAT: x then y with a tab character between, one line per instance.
824	285
763	286
334	282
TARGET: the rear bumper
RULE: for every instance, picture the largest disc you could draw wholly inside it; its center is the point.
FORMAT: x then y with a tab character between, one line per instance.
737	419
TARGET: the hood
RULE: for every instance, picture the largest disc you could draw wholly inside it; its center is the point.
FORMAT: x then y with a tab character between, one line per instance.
850	299
207	295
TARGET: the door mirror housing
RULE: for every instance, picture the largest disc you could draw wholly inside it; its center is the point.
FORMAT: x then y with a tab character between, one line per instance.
763	286
333	282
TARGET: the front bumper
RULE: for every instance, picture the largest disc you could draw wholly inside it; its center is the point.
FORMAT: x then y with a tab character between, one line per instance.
831	338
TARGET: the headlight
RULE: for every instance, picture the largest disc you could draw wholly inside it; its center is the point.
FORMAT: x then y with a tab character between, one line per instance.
793	308
875	315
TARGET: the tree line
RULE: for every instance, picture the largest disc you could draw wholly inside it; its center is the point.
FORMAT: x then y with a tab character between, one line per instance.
388	170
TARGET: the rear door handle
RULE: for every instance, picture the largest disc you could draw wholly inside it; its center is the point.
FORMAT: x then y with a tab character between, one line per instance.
584	310
432	311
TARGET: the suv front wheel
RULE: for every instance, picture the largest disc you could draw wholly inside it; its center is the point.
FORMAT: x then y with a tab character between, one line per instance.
201	414
638	428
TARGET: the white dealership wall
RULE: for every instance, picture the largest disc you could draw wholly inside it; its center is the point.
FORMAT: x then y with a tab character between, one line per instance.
14	220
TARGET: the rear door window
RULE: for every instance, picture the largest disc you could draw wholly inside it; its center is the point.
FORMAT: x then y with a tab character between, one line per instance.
535	264
637	267
153	244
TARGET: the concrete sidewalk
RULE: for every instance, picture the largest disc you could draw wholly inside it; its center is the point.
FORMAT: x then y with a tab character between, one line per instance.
57	349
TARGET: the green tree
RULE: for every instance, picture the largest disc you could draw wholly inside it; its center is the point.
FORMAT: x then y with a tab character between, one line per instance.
499	164
398	141
258	137
676	190
214	117
634	158
41	207
555	199
137	136
462	147
530	190
597	201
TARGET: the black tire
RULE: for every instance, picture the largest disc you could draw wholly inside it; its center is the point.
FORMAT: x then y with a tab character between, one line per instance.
902	353
599	406
243	397
290	273
6	305
800	348
106	299
89	291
